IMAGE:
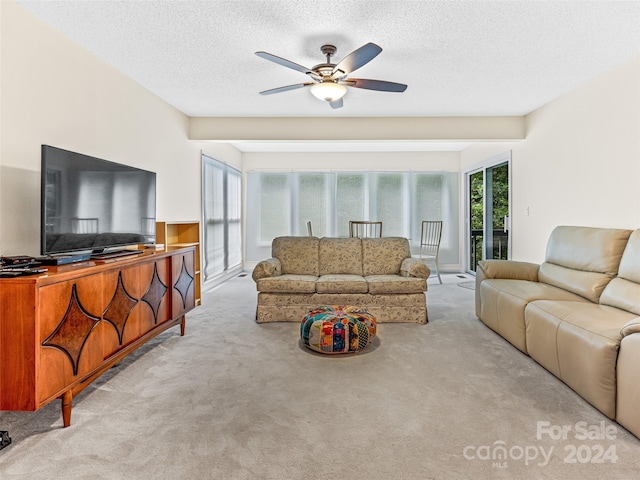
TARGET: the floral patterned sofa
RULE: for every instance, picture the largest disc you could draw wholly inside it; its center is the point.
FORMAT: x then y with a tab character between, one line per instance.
374	273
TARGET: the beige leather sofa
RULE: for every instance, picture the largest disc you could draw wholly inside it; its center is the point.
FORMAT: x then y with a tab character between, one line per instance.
577	314
375	273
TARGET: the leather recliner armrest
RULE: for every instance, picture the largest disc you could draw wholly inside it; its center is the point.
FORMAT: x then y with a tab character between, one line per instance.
509	269
631	327
270	267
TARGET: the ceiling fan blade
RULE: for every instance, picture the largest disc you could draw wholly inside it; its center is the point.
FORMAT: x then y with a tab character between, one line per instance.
336	103
283	62
285	89
356	59
379	85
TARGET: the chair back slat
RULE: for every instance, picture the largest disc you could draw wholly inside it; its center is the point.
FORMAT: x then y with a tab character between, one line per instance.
430	237
365	229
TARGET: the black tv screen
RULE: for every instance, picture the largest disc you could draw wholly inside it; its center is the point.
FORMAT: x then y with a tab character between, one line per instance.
92	204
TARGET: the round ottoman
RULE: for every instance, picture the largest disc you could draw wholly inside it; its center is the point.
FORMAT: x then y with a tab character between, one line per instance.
337	329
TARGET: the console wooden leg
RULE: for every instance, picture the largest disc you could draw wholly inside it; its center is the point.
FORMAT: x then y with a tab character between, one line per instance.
67	400
183	324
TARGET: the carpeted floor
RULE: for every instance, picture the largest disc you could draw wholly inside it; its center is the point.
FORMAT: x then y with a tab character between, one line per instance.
234	400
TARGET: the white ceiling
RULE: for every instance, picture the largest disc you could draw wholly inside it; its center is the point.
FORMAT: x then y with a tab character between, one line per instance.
459	58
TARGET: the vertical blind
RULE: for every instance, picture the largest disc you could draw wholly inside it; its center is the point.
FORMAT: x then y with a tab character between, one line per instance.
222	230
281	203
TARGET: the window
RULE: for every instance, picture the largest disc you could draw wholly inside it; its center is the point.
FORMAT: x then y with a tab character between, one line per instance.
222	232
312	204
351	201
281	203
273	206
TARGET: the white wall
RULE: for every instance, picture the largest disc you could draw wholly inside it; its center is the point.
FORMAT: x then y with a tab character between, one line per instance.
579	163
55	92
353	161
222	152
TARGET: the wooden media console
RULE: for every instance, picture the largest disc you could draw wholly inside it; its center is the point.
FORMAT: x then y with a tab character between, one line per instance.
60	330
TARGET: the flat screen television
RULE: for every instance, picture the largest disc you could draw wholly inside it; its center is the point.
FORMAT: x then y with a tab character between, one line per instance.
94	205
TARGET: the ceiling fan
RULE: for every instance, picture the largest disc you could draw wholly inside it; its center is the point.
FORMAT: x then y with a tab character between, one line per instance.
330	80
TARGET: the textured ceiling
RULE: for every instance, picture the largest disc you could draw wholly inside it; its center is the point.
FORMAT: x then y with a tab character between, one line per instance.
457	57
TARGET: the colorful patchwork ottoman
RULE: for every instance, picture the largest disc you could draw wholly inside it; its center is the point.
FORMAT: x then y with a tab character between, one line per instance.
337	329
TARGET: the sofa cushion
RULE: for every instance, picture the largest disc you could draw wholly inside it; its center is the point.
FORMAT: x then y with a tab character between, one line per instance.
288	283
340	255
624	291
583	260
385	284
589	285
384	256
504	301
631	259
586	248
297	255
341	284
578	342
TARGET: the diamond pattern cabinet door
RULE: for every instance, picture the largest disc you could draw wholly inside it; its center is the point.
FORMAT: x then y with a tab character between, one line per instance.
121	312
70	334
155	305
183	277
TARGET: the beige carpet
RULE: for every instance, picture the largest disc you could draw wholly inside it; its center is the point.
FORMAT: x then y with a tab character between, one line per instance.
235	400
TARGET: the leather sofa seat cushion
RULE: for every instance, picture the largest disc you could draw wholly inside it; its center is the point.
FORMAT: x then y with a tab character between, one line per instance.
297	255
341	284
288	283
578	342
386	284
340	255
384	256
504	301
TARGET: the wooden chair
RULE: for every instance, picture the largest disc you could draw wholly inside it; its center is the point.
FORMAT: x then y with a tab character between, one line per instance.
365	229
430	242
84	225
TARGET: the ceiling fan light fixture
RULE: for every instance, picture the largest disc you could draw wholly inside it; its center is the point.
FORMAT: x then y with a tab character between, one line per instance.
329	91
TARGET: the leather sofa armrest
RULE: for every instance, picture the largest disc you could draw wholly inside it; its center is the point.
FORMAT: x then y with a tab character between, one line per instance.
508	269
628	380
631	327
414	267
270	267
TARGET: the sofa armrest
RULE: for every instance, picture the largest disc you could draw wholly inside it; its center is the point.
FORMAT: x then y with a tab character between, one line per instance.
628	379
631	327
508	269
270	267
414	267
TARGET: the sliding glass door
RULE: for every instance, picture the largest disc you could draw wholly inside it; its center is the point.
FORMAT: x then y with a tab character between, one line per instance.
222	226
488	211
